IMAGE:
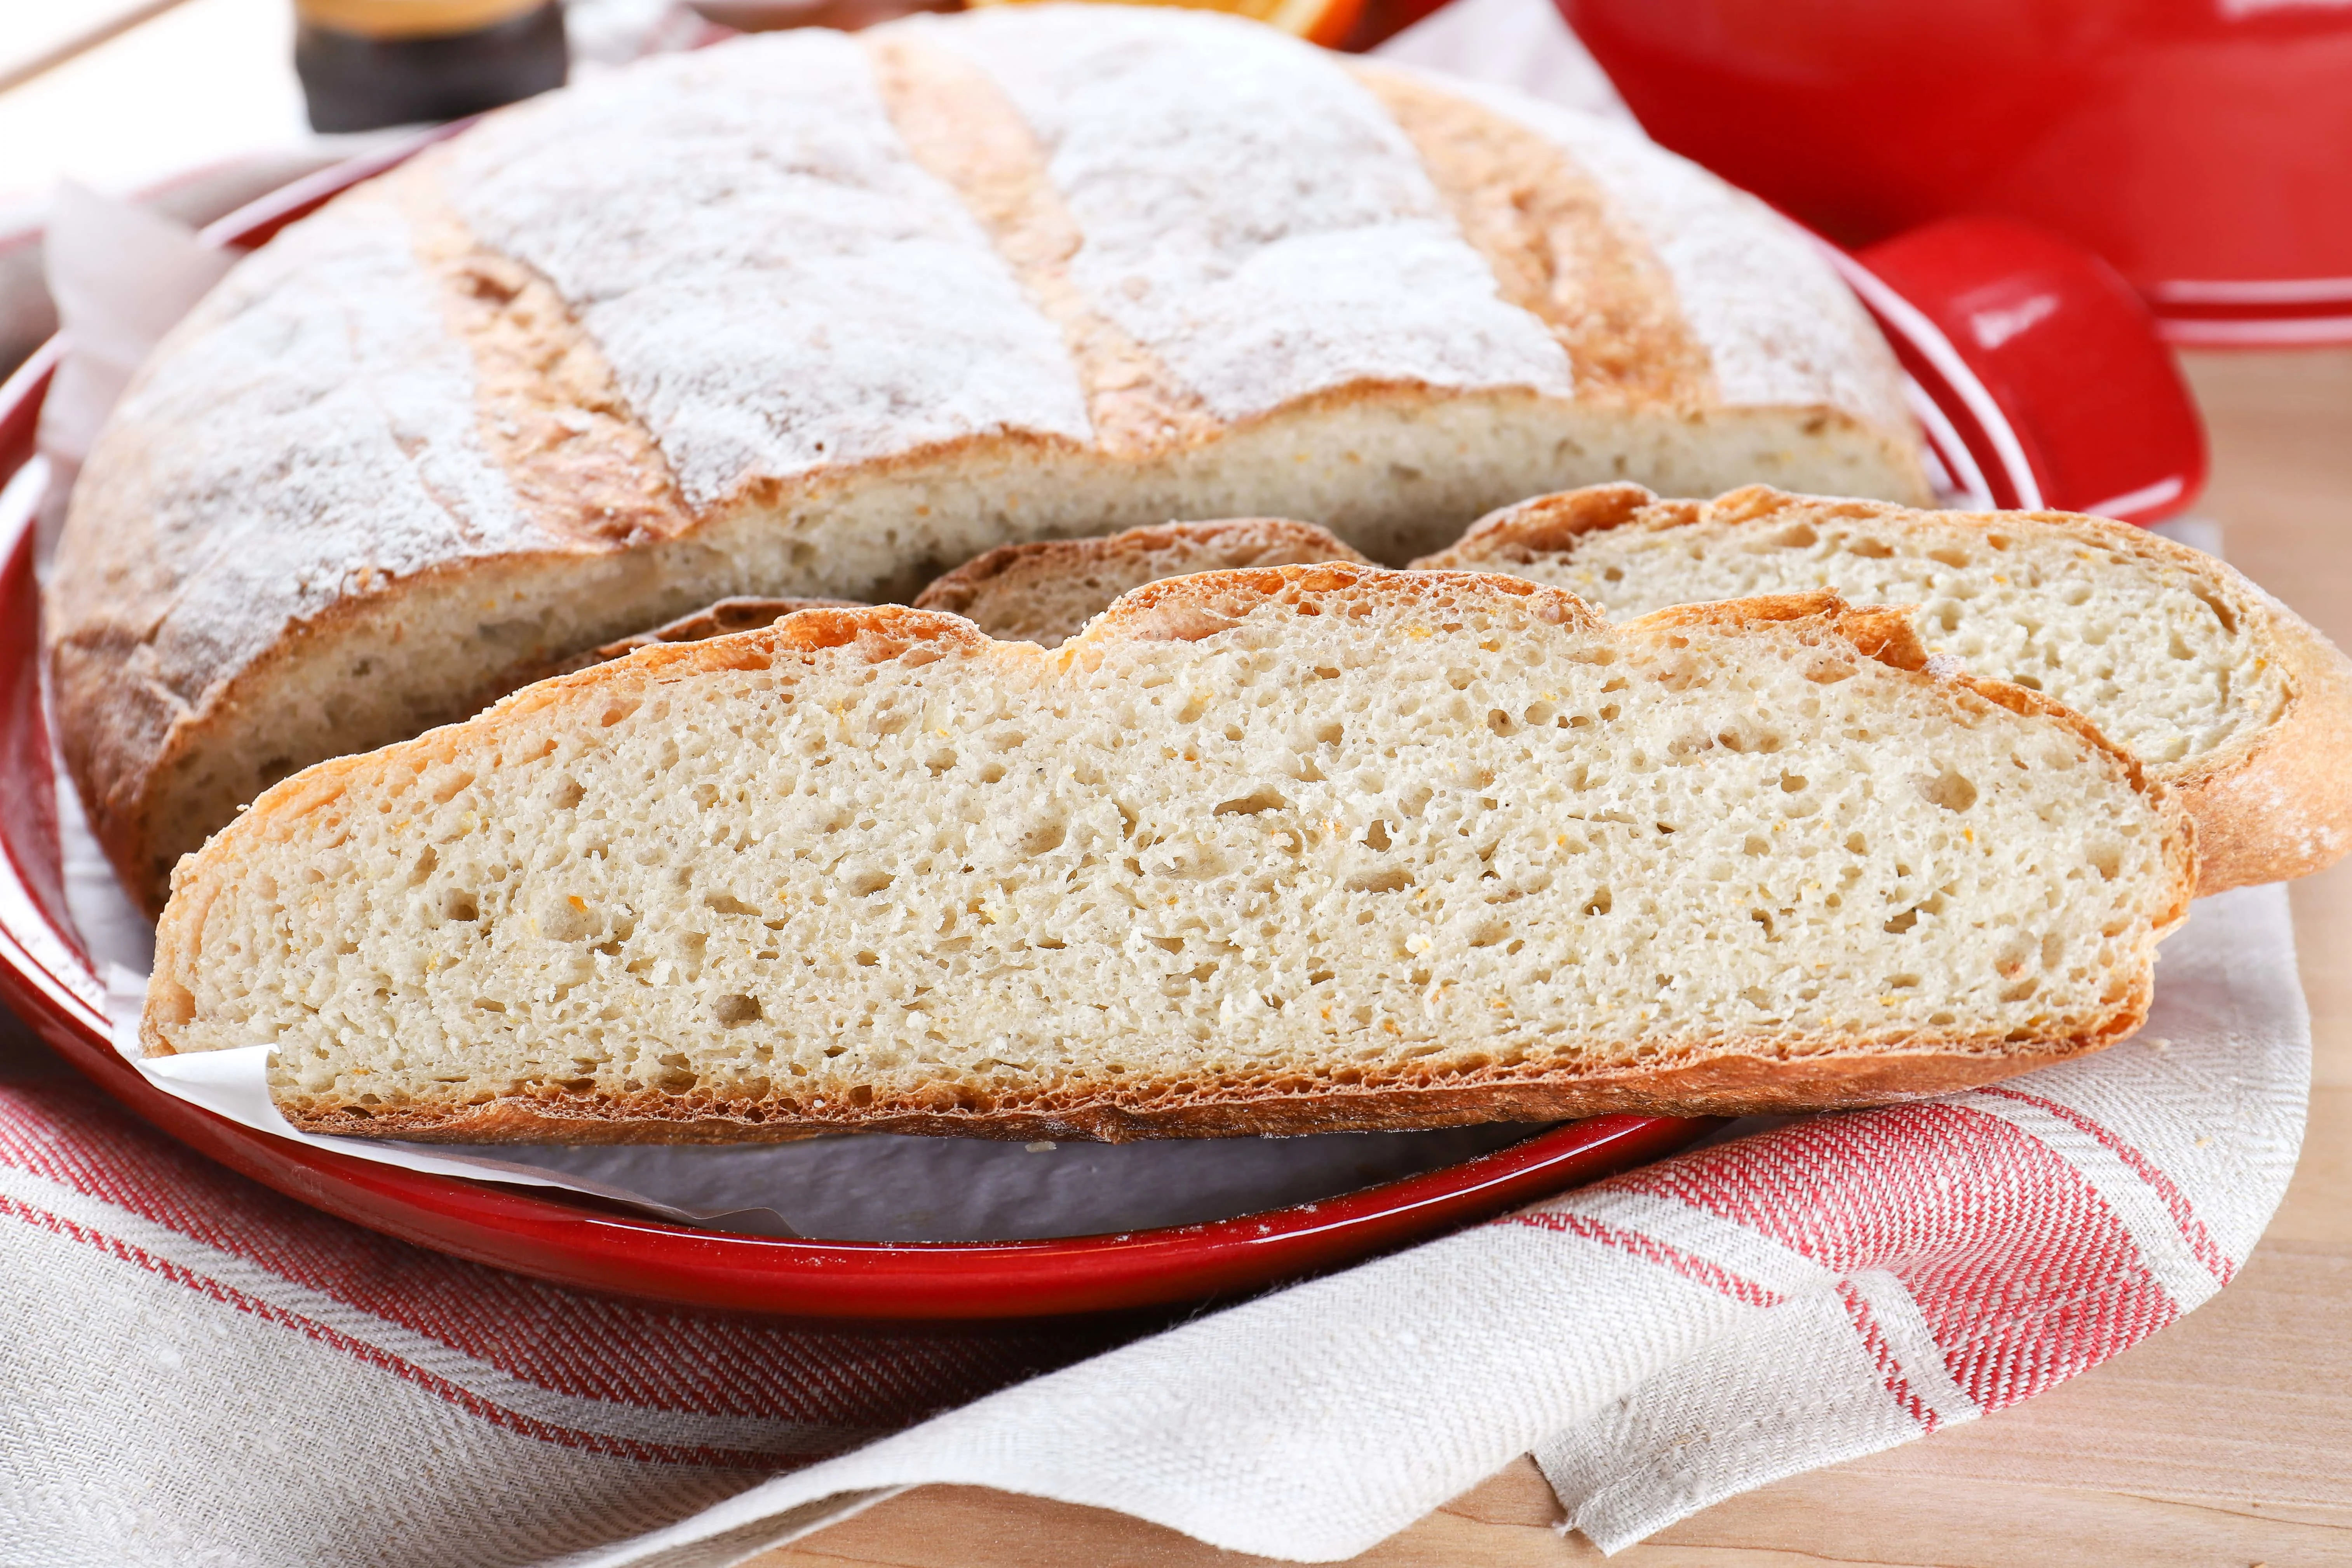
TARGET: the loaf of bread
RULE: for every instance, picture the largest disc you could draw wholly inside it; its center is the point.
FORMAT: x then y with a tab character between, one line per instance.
1300	850
1045	593
810	314
2222	692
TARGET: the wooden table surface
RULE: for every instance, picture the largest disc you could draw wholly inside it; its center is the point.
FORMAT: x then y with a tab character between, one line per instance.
2224	1441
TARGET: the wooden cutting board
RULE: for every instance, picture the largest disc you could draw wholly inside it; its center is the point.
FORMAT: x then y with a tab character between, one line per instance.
2223	1442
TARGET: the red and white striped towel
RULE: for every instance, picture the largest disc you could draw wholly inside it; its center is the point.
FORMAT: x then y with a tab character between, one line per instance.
193	1369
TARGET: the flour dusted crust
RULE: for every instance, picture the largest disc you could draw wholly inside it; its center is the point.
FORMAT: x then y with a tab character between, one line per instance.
2268	785
1046	591
210	979
814	316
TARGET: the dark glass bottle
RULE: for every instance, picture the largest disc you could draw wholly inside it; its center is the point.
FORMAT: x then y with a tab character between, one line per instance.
365	64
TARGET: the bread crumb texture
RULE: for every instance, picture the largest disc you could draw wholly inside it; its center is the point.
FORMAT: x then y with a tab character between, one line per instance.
1268	850
2162	647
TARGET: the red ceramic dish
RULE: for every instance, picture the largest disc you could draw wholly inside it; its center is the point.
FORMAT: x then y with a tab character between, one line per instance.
1990	412
2201	147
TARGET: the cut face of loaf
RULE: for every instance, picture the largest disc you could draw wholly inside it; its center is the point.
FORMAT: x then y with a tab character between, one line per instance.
1044	593
1310	848
813	314
2223	693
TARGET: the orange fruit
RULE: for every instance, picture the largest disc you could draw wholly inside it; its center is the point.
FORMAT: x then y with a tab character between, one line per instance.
1323	22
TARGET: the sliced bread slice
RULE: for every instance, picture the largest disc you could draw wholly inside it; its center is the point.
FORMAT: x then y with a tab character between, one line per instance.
1046	593
1300	850
2224	693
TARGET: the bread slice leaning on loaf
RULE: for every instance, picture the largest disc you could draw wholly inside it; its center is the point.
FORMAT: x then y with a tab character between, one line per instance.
2221	691
1045	593
1301	849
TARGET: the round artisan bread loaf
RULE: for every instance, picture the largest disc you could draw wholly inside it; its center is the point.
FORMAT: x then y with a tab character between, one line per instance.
816	315
1304	848
2225	695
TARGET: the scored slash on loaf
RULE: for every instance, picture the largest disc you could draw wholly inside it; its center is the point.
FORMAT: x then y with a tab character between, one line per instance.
1306	849
816	315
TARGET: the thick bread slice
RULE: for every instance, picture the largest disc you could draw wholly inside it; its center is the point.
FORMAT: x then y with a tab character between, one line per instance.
724	618
1299	849
820	314
2224	694
1045	593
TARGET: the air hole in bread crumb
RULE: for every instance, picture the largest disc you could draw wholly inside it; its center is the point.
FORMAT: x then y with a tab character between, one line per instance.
1379	882
726	904
1251	805
1377	836
457	906
568	794
1949	790
1951	555
1599	904
1902	922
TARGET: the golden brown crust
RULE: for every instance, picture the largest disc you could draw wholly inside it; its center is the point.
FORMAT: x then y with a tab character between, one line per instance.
1000	591
2272	805
1735	1074
1546	524
724	618
1733	1079
2282	806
